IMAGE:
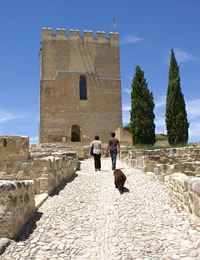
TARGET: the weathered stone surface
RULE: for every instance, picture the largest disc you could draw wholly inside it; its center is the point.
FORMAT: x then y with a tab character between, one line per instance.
64	61
88	219
16	207
13	149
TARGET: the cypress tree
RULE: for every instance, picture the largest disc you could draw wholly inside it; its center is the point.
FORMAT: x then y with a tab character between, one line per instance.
175	116
141	114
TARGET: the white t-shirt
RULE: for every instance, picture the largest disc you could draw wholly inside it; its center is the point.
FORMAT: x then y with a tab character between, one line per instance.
97	144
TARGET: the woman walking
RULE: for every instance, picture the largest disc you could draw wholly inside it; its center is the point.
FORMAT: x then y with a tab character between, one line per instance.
97	147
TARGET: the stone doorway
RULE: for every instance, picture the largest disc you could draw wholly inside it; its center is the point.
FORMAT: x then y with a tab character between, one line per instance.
75	133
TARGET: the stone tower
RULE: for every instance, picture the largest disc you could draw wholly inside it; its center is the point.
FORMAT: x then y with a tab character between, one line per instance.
80	86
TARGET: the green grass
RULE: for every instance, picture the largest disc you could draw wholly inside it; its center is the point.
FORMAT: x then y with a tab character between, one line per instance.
151	147
161	138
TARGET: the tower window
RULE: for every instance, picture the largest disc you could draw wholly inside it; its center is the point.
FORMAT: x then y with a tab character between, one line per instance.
83	88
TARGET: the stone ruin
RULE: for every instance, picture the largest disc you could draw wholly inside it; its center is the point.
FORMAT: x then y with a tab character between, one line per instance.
177	168
27	177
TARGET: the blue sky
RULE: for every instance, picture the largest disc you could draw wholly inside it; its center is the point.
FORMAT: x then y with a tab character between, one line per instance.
147	29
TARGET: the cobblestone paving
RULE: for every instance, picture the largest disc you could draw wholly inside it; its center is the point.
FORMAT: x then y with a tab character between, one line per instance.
89	219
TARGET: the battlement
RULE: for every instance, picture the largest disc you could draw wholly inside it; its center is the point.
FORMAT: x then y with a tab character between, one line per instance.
75	35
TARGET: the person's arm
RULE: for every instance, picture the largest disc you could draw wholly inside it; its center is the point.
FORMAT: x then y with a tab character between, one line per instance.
107	149
118	146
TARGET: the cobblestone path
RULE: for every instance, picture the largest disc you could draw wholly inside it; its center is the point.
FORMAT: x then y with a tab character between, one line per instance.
88	219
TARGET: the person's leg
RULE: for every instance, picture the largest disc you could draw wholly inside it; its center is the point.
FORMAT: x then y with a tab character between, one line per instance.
99	162
113	154
114	159
96	161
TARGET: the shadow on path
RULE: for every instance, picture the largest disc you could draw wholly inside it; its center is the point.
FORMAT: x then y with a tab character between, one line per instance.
57	190
78	168
125	190
29	227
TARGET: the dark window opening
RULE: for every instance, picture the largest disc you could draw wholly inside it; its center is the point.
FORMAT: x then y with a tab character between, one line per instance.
4	142
83	88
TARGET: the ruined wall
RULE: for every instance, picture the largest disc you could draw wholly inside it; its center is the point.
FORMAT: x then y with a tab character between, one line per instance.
188	189
17	204
26	175
178	168
13	149
63	60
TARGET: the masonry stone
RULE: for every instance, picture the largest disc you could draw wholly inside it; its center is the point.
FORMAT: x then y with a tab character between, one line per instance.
27	175
73	64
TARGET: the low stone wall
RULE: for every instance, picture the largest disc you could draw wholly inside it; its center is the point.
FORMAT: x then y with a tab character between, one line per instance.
47	170
17	204
188	187
52	170
178	168
37	171
13	149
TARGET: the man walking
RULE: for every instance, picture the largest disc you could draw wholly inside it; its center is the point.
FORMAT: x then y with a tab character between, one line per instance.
114	148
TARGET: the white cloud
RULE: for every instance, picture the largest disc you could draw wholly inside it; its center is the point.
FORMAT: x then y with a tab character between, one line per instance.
130	39
34	140
182	56
194	131
160	102
126	119
126	108
8	116
192	108
128	90
129	77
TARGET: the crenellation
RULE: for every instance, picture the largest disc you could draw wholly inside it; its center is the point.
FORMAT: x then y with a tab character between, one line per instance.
101	36
114	38
60	34
74	34
46	33
88	36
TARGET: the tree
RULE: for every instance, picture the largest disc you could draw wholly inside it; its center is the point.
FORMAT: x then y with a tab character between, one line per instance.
141	114
175	116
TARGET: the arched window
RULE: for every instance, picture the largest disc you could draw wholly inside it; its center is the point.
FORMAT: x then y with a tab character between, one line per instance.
75	133
83	88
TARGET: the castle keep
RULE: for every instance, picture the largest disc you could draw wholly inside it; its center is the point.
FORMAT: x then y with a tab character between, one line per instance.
80	86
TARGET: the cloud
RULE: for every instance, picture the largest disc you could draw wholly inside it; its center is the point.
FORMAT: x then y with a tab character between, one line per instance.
128	90
34	140
130	39
129	77
161	101
192	108
126	119
8	116
126	108
194	131
182	56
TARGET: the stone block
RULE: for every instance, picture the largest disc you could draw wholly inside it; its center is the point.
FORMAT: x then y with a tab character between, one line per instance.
17	206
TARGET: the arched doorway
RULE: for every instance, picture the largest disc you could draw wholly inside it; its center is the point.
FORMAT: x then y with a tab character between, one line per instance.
75	134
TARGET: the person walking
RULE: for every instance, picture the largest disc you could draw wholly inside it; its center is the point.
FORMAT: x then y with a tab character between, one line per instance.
114	148
97	147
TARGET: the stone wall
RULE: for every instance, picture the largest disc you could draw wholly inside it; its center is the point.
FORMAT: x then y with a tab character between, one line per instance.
17	204
189	189
178	168
27	175
47	170
66	58
124	136
13	149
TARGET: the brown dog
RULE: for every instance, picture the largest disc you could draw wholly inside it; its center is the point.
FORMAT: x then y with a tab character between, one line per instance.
120	179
